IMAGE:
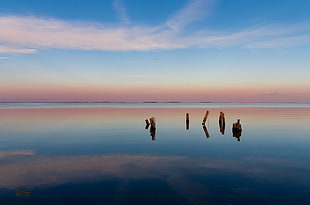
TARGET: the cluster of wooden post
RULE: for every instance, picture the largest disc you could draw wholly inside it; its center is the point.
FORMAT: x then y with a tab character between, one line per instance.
236	129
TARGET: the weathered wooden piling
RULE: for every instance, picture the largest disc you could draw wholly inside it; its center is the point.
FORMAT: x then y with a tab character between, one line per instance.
222	118
205	118
222	123
237	126
153	128
147	122
153	123
237	129
187	121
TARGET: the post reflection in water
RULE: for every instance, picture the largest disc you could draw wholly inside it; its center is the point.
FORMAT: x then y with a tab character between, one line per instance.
237	129
206	131
153	133
222	123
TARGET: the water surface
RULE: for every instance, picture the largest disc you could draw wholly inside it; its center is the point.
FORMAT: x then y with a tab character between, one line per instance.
101	153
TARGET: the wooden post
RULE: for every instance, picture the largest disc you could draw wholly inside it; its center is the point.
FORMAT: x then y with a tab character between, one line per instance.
205	118
187	121
153	123
153	128
237	126
222	123
147	124
237	129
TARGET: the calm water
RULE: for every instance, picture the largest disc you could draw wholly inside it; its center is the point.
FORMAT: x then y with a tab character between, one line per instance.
102	154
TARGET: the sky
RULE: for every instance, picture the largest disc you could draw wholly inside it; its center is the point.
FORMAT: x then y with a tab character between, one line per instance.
154	50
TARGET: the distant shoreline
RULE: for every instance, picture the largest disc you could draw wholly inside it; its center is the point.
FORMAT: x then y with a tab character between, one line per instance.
153	102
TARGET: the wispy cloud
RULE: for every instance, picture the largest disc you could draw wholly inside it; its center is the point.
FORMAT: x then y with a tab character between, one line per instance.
15	49
1	58
28	34
281	42
195	10
121	11
262	36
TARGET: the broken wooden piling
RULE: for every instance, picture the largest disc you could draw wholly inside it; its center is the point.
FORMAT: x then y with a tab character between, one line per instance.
237	126
153	123
205	118
147	124
222	123
187	121
237	129
153	128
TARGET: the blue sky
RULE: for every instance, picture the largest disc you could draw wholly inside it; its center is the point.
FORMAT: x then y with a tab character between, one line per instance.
176	50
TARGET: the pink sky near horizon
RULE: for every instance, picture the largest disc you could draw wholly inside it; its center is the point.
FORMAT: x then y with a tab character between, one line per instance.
160	93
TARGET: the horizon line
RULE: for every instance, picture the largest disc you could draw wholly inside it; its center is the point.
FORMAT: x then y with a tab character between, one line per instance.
139	102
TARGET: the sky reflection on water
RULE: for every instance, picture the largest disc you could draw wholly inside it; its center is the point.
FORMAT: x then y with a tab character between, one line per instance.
53	150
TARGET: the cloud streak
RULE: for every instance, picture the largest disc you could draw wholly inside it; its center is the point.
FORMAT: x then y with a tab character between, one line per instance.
28	34
194	11
121	11
15	49
281	42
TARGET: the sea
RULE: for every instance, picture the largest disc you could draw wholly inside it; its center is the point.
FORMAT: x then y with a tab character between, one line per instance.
155	153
